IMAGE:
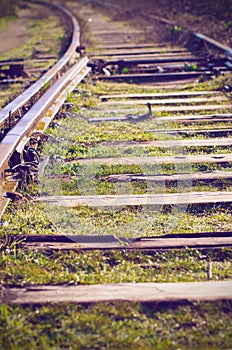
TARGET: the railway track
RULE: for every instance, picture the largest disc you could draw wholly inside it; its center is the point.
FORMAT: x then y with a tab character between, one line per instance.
170	126
23	120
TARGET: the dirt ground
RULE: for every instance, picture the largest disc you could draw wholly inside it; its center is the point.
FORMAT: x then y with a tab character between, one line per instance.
16	32
201	16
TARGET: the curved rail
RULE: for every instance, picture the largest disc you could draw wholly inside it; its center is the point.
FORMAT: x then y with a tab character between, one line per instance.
15	108
60	80
201	37
23	129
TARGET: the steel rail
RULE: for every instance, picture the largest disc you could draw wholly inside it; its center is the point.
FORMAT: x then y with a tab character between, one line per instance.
30	95
28	122
204	38
41	112
63	77
226	49
200	37
140	292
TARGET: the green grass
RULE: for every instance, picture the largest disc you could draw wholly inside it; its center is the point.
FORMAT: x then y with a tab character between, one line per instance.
44	34
117	326
75	179
76	169
110	88
84	140
80	151
5	22
187	265
8	93
104	88
28	218
88	184
87	140
80	131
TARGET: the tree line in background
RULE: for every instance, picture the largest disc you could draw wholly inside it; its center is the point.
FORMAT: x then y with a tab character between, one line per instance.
8	7
219	9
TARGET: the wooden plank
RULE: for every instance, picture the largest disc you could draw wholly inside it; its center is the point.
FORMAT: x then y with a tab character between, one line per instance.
115	32
219	131
219	141
206	240
154	77
188	159
121	46
204	176
118	292
124	200
139	61
226	117
158	94
137	51
218	118
144	244
211	118
137	56
166	101
114	35
178	108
